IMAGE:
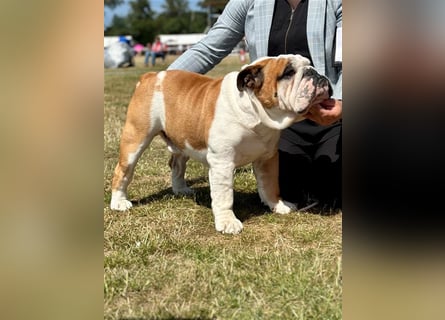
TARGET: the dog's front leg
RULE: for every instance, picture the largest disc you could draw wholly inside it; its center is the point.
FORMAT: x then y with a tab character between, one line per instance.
221	191
266	174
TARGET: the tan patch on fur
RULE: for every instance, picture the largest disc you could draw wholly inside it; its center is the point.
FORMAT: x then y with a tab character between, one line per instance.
190	102
272	70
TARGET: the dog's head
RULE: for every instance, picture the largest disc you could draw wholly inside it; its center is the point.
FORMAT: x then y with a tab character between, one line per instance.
286	86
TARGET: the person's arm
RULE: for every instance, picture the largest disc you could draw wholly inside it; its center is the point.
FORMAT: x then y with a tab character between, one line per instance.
225	34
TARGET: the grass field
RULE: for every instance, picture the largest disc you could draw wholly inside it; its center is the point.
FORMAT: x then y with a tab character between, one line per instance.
163	259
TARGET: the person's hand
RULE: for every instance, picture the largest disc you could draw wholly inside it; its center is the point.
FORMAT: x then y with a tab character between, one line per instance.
326	113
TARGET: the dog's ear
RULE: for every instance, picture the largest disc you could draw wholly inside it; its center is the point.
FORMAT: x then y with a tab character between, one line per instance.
250	77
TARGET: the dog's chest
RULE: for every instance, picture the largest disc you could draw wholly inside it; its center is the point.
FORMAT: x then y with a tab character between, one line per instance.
256	146
240	150
240	145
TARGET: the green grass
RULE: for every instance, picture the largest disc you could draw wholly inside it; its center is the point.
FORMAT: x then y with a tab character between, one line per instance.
163	259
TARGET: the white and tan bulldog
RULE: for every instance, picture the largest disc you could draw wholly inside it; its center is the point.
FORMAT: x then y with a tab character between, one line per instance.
225	123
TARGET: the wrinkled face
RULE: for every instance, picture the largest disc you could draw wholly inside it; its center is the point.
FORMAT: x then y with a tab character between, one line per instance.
287	82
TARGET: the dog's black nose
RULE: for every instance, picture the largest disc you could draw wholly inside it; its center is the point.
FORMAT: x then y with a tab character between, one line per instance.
322	81
319	80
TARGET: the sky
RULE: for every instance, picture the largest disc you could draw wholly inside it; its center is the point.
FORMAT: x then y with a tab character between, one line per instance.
123	9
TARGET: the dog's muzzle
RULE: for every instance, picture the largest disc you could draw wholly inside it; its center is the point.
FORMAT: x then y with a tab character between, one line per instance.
319	80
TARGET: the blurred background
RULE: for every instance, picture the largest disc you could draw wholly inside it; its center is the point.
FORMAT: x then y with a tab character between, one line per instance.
142	20
179	24
51	84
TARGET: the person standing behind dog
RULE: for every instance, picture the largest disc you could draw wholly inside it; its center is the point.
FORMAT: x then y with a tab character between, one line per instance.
310	150
157	50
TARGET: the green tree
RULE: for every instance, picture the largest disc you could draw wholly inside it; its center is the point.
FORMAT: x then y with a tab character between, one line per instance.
112	3
141	21
143	24
175	8
119	26
213	8
216	5
176	17
198	22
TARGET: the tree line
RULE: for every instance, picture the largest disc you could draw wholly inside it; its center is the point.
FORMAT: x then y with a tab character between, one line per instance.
143	24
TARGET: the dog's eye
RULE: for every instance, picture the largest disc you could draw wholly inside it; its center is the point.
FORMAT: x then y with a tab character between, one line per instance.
288	73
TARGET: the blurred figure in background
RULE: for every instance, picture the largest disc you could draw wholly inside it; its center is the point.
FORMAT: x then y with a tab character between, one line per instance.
158	50
147	54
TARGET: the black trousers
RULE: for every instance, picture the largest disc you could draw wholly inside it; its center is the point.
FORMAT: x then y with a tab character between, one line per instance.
312	171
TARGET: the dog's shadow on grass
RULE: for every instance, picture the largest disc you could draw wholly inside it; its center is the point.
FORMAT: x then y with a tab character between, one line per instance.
245	204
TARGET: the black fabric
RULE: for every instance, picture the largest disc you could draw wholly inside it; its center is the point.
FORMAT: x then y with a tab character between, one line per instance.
312	173
306	133
288	30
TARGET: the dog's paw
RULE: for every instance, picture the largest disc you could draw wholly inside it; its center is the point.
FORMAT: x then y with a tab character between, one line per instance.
184	191
229	226
120	204
284	207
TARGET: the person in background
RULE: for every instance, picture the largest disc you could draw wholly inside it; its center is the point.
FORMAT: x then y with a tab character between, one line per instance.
157	50
310	150
165	49
147	54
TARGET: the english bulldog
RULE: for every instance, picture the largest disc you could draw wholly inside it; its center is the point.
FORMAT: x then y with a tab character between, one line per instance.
224	123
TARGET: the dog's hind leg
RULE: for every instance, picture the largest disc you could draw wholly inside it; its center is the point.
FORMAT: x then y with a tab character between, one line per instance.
178	164
133	144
